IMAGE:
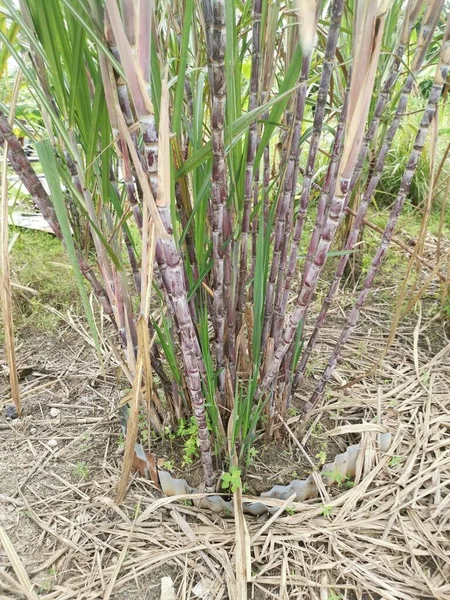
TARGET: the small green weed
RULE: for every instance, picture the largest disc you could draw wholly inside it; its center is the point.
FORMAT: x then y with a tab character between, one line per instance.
396	460
46	585
425	378
81	470
327	511
322	456
169	433
335	476
232	479
446	309
252	453
189	430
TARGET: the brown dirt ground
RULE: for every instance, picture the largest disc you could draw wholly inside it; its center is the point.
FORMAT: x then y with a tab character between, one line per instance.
385	537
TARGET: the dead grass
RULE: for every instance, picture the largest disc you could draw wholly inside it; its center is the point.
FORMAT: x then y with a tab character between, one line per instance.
386	537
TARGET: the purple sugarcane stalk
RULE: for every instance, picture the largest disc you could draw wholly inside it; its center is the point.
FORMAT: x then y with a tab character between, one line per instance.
171	266
375	177
167	254
428	116
251	151
21	165
283	221
268	59
214	14
332	40
324	199
374	26
330	179
308	14
172	273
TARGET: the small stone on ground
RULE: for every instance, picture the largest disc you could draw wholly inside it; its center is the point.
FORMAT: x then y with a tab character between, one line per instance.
10	412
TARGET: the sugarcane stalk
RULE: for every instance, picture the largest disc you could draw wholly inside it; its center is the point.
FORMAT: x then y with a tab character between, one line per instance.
329	57
360	93
330	179
214	15
166	252
267	71
171	265
249	168
173	279
308	14
172	272
324	199
429	24
285	204
429	114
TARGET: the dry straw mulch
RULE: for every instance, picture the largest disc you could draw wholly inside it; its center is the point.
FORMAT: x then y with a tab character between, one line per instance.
63	537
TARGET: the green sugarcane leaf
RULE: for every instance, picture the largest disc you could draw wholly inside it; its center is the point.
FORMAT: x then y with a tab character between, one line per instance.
198	283
286	88
76	196
77	69
50	168
166	341
298	346
233	133
88	25
11	34
37	89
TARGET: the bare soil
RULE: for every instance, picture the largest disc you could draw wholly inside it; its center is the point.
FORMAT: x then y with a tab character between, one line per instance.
386	535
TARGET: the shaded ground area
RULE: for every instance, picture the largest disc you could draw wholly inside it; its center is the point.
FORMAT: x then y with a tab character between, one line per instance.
385	536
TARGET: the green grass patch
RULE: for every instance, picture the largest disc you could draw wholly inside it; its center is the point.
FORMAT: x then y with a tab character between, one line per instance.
39	261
